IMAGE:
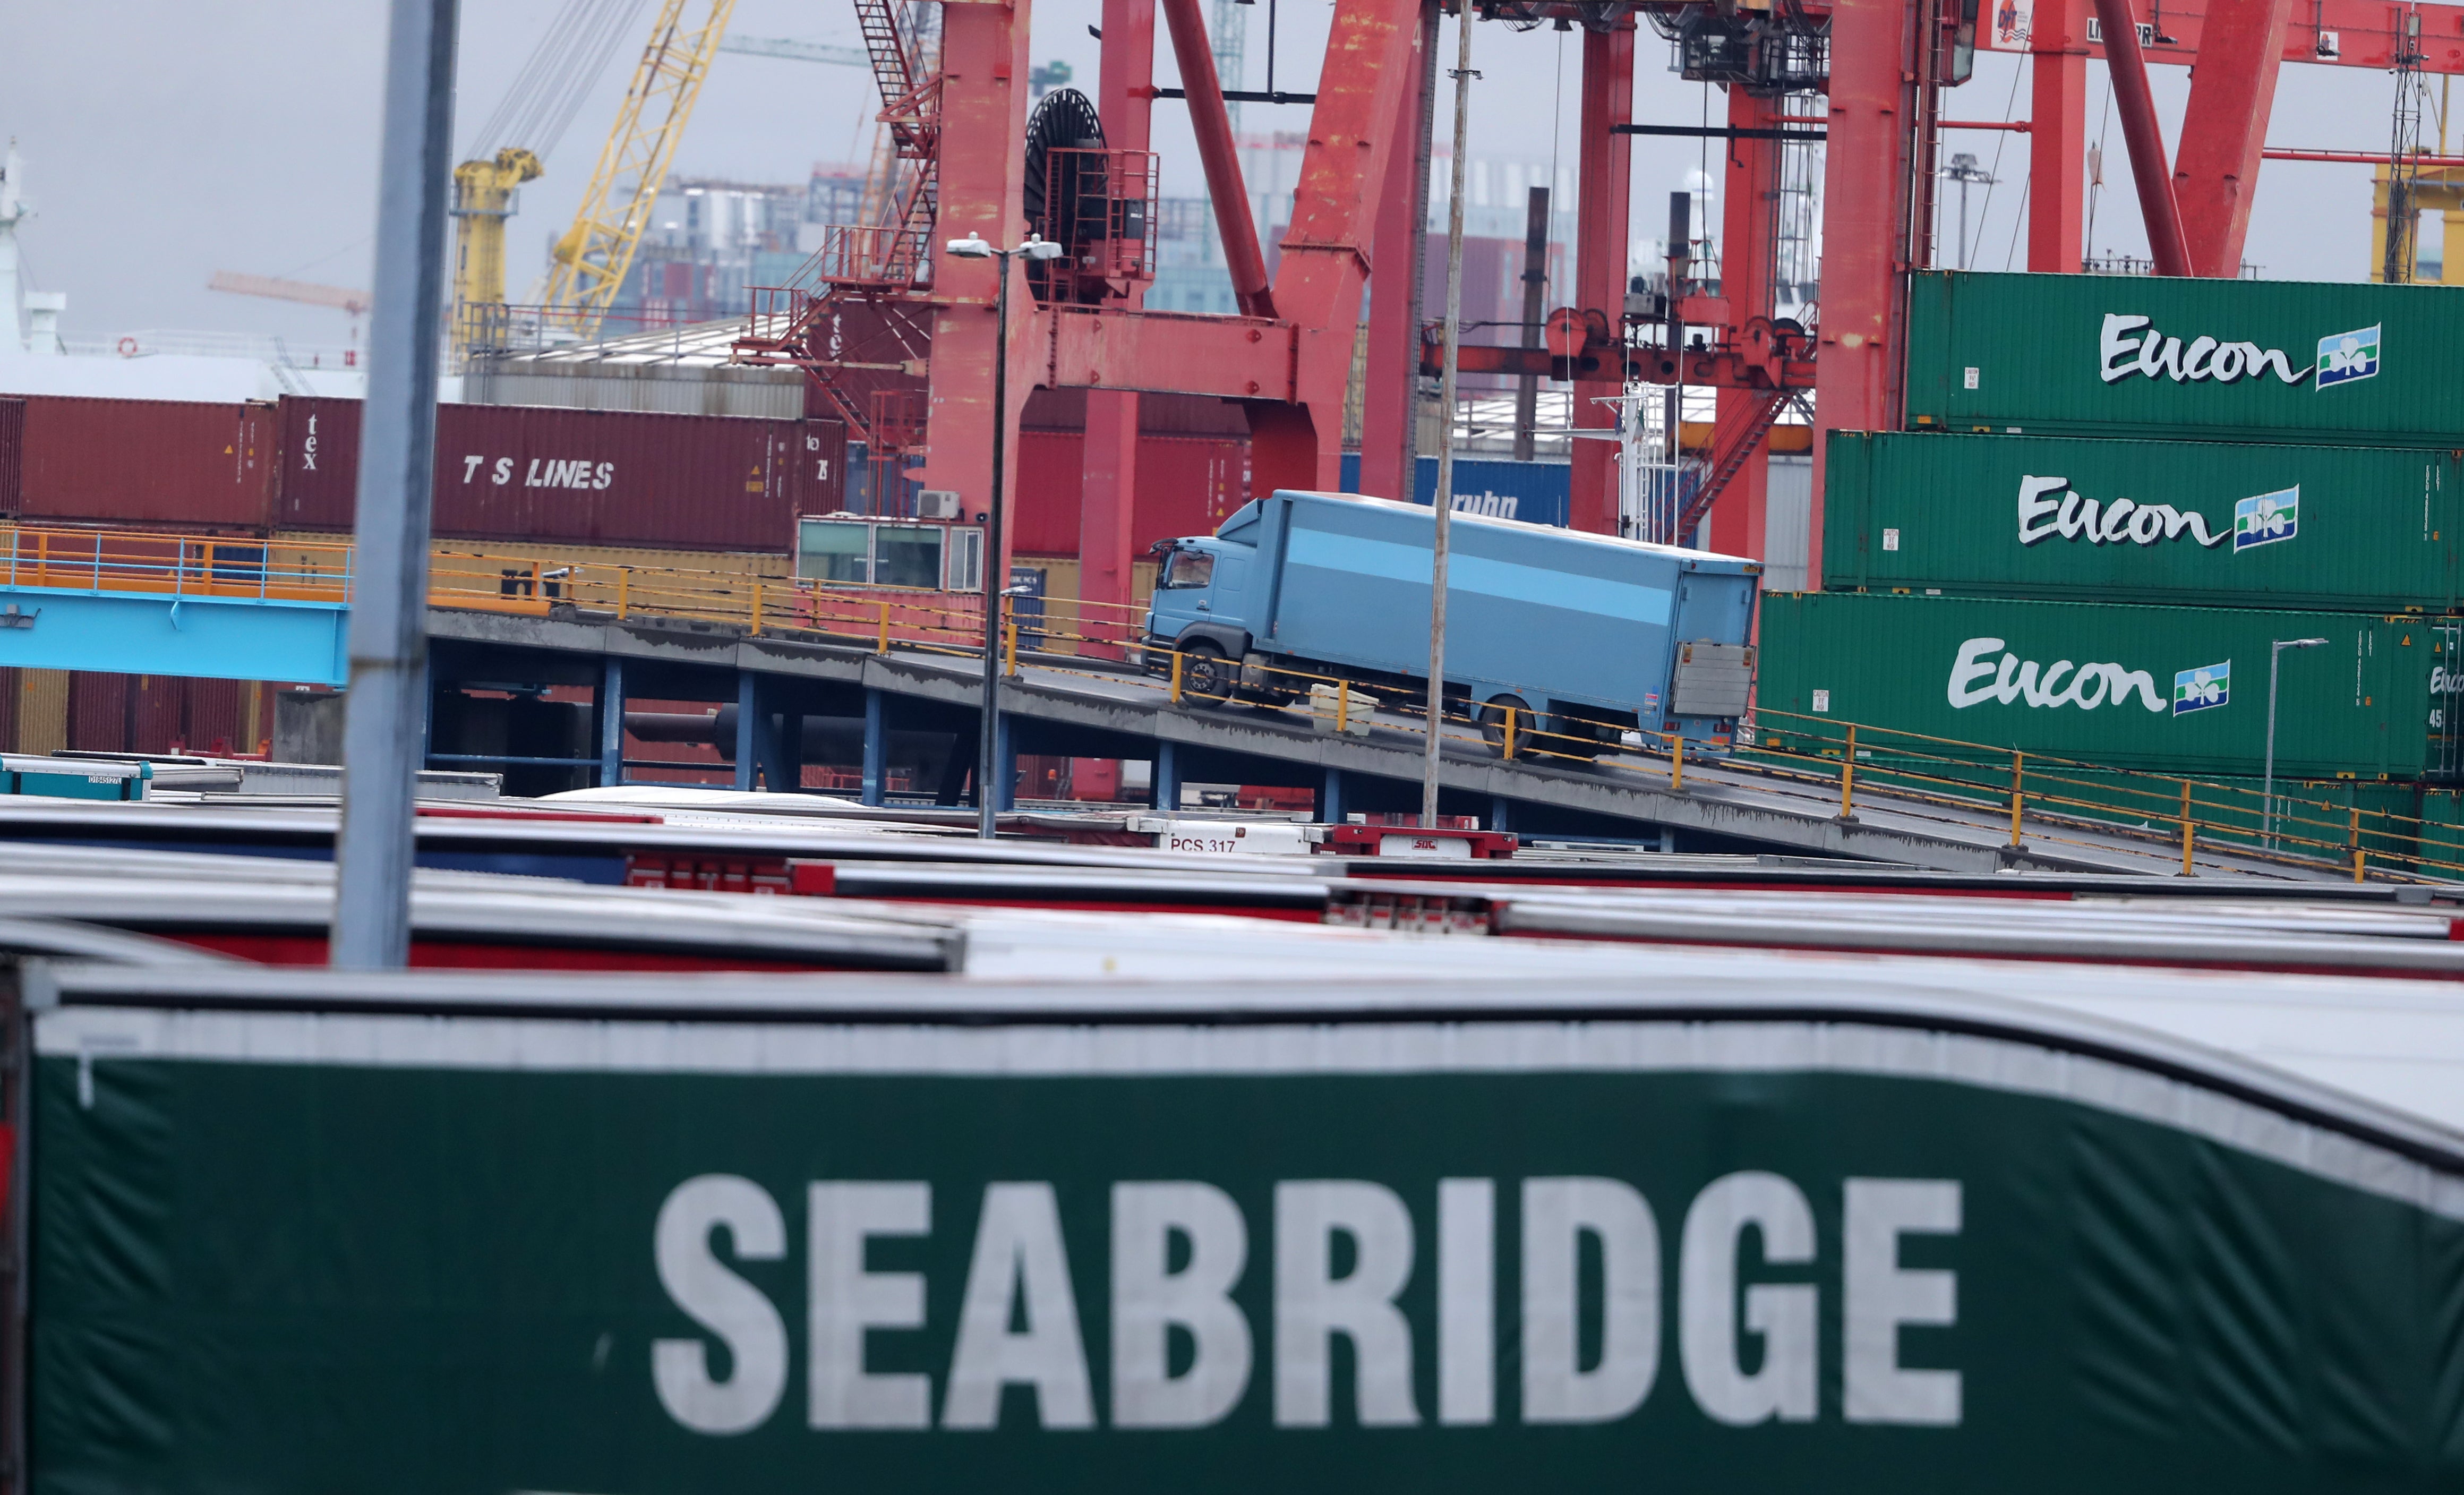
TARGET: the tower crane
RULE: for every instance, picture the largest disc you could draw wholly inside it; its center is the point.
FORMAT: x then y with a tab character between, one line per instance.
592	257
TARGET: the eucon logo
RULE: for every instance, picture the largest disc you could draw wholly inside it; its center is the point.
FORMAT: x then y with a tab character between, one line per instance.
2199	689
2346	355
2268	517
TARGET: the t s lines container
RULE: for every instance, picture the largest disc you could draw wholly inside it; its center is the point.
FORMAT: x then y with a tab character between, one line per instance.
1594	632
2165	690
521	472
399	1234
2225	360
2235	525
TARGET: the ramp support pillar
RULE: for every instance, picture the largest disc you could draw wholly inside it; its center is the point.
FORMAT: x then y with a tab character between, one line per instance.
611	723
1330	799
875	740
1166	782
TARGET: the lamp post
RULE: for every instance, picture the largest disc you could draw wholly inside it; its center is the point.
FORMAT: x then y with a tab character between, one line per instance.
996	575
2267	784
1964	169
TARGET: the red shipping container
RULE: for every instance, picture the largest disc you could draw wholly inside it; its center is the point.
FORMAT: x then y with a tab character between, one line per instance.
146	463
13	445
602	477
1186	485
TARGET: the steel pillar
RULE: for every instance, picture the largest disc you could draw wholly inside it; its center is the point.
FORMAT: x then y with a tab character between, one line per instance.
611	723
983	99
1866	228
1219	155
2058	141
2215	171
1164	782
876	742
1749	210
1501	815
1329	798
1604	185
1390	395
748	729
1109	494
2144	136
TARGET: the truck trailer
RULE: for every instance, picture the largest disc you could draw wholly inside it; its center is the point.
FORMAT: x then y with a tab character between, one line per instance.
1582	636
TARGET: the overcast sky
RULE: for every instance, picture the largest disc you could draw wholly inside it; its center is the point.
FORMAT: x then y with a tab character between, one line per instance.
165	140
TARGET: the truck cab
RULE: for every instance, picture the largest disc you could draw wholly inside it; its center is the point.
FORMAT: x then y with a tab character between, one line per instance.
1202	597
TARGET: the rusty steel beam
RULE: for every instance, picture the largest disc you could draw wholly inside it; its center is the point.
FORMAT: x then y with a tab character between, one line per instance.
1107	496
1231	357
1601	192
2144	136
1220	157
1748	203
1390	394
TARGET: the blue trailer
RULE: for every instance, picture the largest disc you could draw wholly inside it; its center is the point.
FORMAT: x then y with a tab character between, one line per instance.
1584	635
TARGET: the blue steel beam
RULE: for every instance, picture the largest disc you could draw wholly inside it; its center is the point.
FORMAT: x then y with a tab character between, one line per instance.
221	638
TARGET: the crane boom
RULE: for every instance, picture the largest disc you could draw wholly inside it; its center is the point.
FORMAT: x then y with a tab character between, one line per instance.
594	254
274	288
795	50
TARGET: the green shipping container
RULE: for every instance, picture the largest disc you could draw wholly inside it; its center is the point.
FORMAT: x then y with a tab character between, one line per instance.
2226	360
2167	690
335	1238
2236	525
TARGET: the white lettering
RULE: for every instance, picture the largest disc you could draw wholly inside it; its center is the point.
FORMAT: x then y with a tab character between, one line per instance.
504	472
2147	525
721	1302
2078	695
2035	506
2118	341
1880	1296
1021	1271
471	466
1971	664
1150	1300
607	474
2013	679
531	474
1556	1214
1312	1305
1783	1316
2072	524
2045	692
2122	680
2176	521
2124	350
847	1301
2117	518
308	448
1467	1302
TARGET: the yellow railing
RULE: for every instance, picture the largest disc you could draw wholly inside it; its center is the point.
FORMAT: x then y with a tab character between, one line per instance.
2058	798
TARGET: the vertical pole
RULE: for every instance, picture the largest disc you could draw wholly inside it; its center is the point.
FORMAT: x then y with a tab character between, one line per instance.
1604	182
1749	214
2018	795
2058	141
1672	397
748	728
1848	777
876	742
1501	813
996	569
2267	776
1535	285
1442	502
611	723
2187	832
389	645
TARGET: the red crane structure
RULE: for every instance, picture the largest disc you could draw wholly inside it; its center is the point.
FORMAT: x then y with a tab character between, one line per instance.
885	322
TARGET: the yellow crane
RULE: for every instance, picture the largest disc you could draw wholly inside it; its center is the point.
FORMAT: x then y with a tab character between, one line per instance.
594	254
483	198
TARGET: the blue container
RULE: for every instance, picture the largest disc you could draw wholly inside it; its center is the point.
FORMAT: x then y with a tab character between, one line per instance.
1585	627
75	778
1537	493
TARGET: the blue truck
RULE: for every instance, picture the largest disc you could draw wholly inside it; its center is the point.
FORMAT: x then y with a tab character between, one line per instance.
1583	636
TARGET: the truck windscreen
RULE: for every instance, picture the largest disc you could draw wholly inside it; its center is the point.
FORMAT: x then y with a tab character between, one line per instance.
1188	568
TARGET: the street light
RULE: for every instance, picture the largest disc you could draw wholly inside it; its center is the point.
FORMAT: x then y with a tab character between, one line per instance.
995	586
1964	169
2267	785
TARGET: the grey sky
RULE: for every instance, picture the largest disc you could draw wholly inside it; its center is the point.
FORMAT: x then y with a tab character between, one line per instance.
165	141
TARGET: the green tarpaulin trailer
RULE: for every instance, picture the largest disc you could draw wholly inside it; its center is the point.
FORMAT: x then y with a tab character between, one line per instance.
1757	1224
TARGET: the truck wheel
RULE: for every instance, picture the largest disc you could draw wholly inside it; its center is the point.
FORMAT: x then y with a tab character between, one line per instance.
1492	724
1206	676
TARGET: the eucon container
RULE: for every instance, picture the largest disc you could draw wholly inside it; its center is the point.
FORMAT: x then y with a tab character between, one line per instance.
2236	525
2229	359
2165	690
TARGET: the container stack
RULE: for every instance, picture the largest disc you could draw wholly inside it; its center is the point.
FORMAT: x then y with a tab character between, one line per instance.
2117	497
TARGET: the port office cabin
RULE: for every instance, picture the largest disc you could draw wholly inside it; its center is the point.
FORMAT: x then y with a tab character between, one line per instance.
1594	632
